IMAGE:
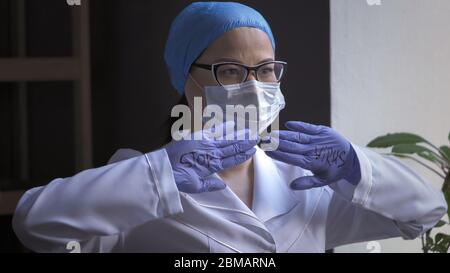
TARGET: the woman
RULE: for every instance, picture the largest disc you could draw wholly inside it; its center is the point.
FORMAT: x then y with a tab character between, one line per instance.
315	192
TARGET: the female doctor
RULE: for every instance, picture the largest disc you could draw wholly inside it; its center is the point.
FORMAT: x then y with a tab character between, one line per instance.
297	198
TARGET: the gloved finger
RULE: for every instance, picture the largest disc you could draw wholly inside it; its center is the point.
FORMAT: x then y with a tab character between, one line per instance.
307	182
294	136
236	148
212	184
244	134
304	127
190	185
237	159
218	131
235	137
290	158
294	148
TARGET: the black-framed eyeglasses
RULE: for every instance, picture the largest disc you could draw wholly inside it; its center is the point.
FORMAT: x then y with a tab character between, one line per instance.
226	73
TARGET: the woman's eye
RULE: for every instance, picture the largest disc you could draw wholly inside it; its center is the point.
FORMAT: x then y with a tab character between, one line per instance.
230	72
267	71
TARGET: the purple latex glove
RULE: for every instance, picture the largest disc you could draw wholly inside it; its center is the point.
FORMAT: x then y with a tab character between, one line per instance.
194	161
320	149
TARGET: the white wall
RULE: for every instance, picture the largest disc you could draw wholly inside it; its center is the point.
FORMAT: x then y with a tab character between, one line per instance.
391	73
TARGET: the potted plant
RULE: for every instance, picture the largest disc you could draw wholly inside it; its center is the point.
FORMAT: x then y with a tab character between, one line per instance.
435	159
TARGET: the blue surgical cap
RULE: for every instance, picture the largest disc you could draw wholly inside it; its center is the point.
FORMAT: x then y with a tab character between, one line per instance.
200	24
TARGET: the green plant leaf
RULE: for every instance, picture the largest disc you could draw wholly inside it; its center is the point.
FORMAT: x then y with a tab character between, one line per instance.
439	248
446	151
442	242
429	156
447	198
395	139
441	237
440	224
429	241
416	149
407	148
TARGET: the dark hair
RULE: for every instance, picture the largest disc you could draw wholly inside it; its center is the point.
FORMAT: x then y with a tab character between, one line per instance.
168	124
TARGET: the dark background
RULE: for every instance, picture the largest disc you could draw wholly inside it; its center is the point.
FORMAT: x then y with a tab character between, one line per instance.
131	93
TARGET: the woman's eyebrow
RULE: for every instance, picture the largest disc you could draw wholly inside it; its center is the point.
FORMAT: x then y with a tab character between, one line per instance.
227	60
238	61
266	60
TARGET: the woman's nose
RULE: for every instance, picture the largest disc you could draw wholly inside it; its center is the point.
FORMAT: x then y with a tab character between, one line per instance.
251	76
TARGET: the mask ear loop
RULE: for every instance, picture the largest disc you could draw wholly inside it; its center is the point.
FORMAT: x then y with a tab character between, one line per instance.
195	82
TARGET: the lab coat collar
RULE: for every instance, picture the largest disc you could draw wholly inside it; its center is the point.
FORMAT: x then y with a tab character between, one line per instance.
271	193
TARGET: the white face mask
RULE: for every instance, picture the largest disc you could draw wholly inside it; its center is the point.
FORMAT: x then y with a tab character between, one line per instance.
265	97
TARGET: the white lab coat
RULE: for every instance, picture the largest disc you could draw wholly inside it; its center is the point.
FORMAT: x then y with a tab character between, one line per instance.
134	206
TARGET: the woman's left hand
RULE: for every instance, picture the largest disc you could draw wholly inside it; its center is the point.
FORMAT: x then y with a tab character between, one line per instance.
320	149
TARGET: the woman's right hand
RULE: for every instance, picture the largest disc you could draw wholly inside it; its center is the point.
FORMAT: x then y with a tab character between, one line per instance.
194	161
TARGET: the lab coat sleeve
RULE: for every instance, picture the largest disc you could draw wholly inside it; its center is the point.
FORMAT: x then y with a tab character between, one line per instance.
97	203
390	200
